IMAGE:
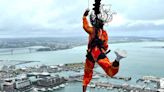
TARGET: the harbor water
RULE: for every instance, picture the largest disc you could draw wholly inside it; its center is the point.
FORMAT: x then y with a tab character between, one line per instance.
144	59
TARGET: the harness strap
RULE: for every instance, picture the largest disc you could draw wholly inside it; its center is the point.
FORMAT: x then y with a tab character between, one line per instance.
90	57
96	41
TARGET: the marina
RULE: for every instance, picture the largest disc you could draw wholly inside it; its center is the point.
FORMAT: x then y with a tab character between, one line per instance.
46	81
123	87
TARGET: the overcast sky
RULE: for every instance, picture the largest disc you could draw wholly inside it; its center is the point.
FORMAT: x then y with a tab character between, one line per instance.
62	18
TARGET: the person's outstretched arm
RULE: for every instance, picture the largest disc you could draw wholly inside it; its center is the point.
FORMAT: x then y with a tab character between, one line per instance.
86	26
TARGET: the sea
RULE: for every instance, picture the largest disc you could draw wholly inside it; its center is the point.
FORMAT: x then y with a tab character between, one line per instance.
144	58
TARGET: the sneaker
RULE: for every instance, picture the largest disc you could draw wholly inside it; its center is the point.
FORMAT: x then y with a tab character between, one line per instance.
120	54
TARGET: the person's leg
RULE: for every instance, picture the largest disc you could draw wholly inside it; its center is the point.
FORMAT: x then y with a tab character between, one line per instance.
111	68
84	88
88	71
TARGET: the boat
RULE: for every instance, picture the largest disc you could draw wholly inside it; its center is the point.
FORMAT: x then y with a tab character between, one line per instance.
103	87
66	84
62	85
54	88
35	89
92	85
57	87
49	89
125	90
109	88
41	89
96	77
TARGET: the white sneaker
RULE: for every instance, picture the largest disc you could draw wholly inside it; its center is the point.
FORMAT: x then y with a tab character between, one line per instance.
120	54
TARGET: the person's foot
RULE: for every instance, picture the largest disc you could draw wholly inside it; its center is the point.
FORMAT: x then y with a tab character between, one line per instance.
120	54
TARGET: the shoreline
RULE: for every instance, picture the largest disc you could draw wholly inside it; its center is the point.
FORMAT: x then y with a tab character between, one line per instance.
71	47
14	63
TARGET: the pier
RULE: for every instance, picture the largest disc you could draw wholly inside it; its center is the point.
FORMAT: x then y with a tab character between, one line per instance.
44	80
125	87
115	77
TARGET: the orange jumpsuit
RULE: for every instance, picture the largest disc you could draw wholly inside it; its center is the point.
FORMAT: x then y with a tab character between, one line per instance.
104	63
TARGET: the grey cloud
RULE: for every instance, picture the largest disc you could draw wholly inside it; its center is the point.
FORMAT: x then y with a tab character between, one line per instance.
138	27
140	10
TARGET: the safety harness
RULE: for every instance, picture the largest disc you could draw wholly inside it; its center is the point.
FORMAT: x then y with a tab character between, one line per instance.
96	41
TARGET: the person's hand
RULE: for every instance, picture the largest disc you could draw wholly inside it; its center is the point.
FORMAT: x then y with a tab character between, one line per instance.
86	12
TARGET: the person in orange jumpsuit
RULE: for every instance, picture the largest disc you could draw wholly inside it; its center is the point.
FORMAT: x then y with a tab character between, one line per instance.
97	47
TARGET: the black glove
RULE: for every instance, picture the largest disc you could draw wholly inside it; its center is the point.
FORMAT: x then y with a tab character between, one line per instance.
86	12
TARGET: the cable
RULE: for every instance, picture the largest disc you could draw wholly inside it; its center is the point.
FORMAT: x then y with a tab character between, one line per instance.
88	4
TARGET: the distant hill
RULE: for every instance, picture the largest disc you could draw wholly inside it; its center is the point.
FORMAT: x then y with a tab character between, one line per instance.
65	42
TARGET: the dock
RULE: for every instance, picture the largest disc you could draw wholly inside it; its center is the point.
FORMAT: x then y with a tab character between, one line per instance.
125	87
115	77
